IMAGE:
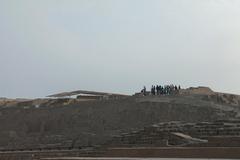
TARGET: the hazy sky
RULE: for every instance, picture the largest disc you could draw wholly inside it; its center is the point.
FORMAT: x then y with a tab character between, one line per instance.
49	46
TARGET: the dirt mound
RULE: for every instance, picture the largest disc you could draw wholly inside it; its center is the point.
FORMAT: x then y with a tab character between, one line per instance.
67	123
224	98
11	102
198	90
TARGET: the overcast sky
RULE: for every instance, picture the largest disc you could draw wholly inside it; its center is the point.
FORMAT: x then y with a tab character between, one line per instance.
49	46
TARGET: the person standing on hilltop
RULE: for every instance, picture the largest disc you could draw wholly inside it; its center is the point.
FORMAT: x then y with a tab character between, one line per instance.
144	91
161	89
154	90
157	88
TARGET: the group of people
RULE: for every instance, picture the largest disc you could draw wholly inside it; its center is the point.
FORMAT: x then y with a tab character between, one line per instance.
162	90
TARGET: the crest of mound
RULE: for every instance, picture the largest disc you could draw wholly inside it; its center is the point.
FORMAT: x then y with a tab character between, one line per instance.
201	90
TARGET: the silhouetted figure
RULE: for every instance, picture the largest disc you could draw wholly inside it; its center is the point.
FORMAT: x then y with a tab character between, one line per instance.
161	89
144	91
157	88
154	90
176	88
